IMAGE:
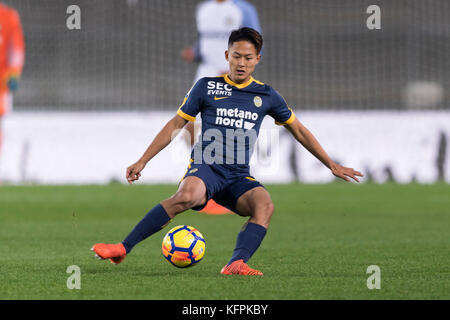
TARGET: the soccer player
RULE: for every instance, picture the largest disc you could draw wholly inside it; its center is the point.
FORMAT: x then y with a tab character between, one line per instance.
11	58
215	21
232	108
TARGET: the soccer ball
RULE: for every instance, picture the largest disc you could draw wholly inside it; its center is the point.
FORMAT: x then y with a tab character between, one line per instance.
183	246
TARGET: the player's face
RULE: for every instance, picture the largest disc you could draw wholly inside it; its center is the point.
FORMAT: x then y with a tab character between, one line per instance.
242	58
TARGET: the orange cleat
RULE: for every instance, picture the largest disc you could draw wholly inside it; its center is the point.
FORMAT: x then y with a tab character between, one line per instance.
241	268
213	207
116	253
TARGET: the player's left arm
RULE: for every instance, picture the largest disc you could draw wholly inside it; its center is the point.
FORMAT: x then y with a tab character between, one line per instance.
307	139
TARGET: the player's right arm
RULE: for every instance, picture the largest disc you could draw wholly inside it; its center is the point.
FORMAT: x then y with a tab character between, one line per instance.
162	139
192	103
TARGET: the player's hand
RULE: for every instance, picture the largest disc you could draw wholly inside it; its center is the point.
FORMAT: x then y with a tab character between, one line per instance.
134	171
345	173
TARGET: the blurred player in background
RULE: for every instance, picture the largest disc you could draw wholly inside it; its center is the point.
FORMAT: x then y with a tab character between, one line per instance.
237	107
12	57
215	21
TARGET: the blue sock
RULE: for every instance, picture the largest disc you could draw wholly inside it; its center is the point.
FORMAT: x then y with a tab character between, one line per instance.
154	221
248	240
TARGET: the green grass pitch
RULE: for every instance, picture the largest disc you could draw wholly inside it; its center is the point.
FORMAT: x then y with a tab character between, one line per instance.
320	243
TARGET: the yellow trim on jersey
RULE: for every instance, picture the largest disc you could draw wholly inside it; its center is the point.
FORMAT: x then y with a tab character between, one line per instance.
189	166
239	85
258	82
184	101
250	178
185	116
184	175
288	121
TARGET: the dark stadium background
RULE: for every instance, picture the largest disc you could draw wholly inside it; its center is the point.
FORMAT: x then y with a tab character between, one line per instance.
318	54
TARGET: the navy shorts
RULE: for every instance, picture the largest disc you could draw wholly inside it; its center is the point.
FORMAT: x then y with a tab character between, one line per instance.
223	185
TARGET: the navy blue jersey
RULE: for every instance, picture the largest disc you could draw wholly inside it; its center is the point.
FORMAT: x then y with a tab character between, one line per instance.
231	116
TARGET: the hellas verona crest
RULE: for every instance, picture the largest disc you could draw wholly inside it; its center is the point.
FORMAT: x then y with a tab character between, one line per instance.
257	101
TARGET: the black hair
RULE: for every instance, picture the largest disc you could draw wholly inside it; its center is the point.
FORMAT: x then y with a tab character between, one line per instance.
246	34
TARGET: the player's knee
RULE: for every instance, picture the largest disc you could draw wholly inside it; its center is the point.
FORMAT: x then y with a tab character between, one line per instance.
177	203
268	209
265	207
263	212
186	199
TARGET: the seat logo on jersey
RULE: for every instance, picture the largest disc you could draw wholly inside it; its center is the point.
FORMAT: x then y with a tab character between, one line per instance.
219	89
227	117
257	101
